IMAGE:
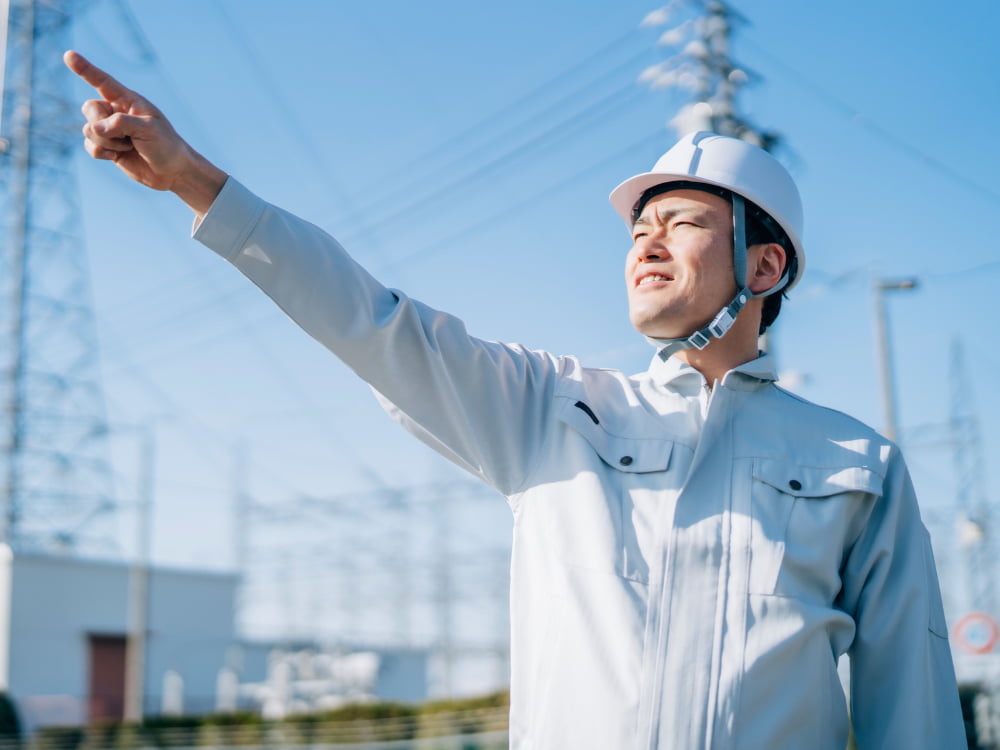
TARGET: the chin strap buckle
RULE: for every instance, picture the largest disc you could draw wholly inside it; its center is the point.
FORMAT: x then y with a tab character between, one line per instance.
699	340
719	326
722	323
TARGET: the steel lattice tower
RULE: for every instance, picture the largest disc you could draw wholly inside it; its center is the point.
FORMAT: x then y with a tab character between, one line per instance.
704	67
57	493
976	516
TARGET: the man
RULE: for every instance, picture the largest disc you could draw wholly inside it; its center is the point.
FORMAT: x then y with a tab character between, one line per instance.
694	547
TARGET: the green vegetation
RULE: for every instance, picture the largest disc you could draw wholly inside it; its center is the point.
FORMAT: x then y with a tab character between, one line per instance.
10	724
358	722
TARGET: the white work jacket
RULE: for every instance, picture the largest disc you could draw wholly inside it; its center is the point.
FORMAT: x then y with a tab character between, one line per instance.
688	565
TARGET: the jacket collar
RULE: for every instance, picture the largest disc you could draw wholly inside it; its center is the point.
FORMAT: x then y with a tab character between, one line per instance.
680	376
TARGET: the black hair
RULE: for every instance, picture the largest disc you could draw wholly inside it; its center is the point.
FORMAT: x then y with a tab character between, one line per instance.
761	228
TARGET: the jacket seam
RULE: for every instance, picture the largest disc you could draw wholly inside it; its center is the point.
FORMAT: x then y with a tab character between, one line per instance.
550	424
248	231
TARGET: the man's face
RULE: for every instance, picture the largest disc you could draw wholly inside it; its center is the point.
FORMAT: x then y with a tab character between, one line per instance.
679	272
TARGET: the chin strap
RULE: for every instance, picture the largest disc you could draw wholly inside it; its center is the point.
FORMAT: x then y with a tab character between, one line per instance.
703	337
722	322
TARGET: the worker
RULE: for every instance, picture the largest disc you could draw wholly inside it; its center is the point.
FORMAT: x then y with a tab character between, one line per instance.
694	547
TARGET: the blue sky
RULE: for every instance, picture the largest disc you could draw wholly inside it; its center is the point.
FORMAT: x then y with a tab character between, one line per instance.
464	152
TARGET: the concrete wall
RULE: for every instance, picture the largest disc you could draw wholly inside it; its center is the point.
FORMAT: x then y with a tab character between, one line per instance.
57	603
192	629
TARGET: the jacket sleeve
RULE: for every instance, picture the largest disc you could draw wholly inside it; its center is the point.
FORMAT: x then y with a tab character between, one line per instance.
903	687
481	404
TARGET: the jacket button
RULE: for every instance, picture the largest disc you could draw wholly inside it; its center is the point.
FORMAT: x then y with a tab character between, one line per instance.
795	484
625	460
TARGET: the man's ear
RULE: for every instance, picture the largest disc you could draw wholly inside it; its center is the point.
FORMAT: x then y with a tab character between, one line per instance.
767	263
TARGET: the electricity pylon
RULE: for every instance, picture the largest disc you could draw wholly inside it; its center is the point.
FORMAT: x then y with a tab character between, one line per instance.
703	66
57	483
976	515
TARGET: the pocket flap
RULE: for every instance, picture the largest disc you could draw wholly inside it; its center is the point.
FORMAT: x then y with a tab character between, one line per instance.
630	454
816	481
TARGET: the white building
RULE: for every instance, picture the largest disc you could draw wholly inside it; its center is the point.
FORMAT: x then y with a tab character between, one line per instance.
68	620
63	634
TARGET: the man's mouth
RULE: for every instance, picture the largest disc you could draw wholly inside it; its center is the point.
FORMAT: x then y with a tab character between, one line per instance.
653	277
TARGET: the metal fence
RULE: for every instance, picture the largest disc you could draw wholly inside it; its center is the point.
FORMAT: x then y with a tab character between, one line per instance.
480	741
469	729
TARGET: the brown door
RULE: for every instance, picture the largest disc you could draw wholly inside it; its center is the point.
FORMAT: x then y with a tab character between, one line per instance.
106	699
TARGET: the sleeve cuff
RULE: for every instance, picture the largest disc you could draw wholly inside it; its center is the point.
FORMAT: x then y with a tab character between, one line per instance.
229	221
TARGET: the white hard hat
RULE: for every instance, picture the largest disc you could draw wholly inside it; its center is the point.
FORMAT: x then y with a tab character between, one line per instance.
729	163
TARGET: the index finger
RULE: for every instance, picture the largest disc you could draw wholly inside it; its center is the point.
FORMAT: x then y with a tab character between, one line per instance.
107	86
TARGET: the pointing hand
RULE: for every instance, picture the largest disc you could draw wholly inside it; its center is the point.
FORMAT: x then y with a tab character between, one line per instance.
125	128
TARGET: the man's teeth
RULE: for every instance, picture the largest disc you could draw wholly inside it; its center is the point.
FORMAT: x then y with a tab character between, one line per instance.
651	278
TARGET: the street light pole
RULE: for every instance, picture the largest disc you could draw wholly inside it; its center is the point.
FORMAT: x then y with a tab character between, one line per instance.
884	350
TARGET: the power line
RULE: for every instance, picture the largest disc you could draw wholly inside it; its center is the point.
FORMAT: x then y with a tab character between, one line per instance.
541	91
977	271
356	214
489	146
314	155
857	117
465	179
440	244
578	121
560	131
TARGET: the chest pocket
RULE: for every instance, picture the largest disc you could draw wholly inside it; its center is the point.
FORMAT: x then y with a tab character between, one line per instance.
801	517
608	521
629	454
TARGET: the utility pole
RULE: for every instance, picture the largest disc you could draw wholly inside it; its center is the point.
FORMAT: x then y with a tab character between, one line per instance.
444	589
890	424
138	600
56	493
399	563
242	529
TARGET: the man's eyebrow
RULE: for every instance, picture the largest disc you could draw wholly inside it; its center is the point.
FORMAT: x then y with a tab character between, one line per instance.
664	213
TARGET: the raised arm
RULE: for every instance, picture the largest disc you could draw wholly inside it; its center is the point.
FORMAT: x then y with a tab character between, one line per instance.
481	404
125	128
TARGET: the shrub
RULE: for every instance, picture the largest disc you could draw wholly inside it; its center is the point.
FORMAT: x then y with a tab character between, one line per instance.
10	724
58	738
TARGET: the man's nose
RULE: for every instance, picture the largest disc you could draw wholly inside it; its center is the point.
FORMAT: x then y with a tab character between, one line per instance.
647	249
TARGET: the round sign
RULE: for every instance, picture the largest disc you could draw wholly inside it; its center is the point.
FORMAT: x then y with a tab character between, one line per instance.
977	633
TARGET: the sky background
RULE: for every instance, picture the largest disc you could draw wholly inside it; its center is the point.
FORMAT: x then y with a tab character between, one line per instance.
464	153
